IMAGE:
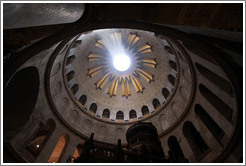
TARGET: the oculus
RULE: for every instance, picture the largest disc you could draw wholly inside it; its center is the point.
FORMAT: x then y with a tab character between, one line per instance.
121	62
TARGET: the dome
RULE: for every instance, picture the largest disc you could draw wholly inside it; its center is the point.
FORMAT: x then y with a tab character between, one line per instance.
115	78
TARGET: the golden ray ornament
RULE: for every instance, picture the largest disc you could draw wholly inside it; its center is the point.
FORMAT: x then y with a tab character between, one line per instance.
137	52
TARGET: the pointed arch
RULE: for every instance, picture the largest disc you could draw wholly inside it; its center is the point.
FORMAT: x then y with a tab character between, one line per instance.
175	152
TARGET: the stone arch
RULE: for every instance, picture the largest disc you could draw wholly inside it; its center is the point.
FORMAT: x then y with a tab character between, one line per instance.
214	78
119	133
198	52
83	99
75	116
76	43
175	152
212	126
93	108
156	103
70	75
77	152
132	114
171	79
216	102
75	88
145	110
40	137
87	126
120	115
59	150
168	49
195	140
172	65
70	59
20	97
106	113
165	92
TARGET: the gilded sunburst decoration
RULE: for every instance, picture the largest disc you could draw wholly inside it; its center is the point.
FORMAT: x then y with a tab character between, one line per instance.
112	44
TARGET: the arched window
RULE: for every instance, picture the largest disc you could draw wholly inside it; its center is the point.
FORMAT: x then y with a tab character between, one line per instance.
20	97
198	52
70	59
214	78
194	139
70	75
172	65
132	114
77	152
37	142
83	99
145	110
171	79
106	113
120	115
59	149
217	103
156	103
168	49
165	92
209	122
176	154
75	88
93	107
76	43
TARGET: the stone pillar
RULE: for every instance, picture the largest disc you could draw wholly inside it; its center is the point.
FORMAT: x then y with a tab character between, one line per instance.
44	156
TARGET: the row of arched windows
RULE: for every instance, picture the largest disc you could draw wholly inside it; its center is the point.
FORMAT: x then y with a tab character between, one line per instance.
120	115
106	113
223	108
195	141
193	137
